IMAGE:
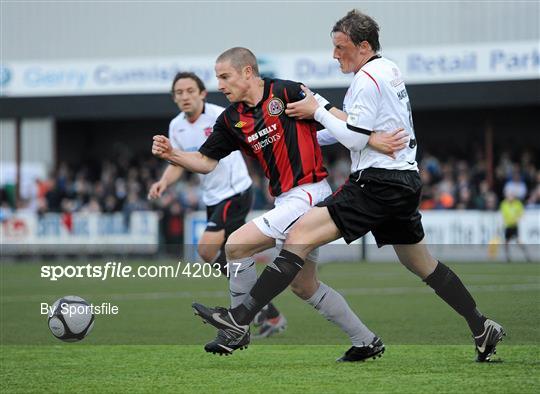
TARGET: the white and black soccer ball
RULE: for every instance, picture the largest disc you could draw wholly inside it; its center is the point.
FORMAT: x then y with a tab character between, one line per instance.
71	319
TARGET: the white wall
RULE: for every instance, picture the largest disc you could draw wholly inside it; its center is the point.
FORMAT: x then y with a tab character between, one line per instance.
37	141
450	235
67	30
7	140
37	151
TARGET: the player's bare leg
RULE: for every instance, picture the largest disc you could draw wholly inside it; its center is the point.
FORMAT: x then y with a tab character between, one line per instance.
247	241
330	304
240	248
317	228
242	245
326	300
449	287
416	258
314	229
306	283
210	246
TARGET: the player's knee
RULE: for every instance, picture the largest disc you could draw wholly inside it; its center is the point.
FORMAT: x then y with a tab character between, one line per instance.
234	249
298	243
304	289
297	235
300	291
208	254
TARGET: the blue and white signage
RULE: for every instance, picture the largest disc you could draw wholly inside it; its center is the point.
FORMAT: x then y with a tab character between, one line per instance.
423	65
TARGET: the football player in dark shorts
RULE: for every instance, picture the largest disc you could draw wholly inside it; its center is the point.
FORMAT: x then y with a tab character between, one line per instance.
229	214
289	153
382	194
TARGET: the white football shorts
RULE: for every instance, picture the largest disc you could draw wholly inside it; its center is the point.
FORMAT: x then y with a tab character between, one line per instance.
288	208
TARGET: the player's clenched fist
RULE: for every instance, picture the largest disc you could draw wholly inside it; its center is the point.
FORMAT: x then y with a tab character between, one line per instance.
161	147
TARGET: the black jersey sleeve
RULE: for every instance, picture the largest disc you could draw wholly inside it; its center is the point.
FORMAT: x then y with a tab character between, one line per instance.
294	91
221	142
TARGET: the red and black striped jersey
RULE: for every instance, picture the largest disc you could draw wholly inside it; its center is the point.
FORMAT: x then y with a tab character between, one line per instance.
286	148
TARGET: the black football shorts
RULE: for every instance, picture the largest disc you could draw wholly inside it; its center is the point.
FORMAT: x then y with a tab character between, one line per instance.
511	233
230	214
384	202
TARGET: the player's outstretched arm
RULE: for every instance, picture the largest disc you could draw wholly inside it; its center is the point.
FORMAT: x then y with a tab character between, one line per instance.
171	174
309	107
337	131
386	143
324	137
192	161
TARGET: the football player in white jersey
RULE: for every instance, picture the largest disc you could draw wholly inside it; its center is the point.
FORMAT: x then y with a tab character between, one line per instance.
251	98
226	191
382	194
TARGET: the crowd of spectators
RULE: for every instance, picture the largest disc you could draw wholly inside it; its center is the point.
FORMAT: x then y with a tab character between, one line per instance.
458	183
464	184
122	186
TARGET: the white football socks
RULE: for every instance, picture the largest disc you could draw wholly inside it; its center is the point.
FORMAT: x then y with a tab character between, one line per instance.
333	307
242	277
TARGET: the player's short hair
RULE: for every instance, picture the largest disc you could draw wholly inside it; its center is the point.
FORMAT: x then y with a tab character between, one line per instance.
359	27
239	58
189	75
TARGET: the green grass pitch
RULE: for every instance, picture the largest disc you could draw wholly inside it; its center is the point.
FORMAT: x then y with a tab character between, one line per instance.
155	343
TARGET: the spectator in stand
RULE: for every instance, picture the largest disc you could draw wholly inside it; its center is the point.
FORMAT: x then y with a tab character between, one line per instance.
134	203
505	167
534	198
480	200
173	226
444	200
92	206
6	212
55	195
491	202
465	199
515	186
431	165
110	204
448	184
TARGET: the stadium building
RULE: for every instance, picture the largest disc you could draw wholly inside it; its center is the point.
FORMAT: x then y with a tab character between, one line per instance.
84	86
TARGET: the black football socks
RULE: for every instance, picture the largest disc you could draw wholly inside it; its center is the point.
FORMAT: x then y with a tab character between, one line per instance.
221	259
449	287
275	278
271	311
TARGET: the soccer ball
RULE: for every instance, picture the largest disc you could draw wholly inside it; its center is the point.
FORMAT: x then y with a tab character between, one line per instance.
71	319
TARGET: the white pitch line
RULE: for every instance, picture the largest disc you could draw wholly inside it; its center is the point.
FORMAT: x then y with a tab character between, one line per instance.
225	294
426	289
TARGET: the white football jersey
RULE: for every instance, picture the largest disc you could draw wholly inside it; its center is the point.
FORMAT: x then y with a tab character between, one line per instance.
231	176
377	101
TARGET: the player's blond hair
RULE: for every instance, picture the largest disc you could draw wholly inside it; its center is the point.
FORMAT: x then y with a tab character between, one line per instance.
239	58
